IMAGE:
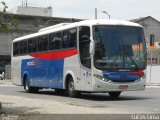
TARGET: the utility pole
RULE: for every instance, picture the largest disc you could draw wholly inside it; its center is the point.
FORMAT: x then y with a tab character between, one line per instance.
26	3
102	12
107	14
95	13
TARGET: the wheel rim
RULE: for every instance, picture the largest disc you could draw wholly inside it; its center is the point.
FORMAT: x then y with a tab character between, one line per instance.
26	85
71	88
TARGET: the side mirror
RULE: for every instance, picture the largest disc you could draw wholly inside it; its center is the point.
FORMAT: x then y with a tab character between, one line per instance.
91	47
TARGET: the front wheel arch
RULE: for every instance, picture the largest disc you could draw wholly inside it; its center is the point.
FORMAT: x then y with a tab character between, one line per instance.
27	86
70	87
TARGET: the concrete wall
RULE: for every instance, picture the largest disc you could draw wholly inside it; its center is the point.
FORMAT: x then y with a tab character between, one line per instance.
5	43
34	11
8	72
27	24
153	74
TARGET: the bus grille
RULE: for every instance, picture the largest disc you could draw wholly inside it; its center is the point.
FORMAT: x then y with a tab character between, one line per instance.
123	80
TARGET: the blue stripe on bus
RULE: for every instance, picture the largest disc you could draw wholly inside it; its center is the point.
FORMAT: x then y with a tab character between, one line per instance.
43	73
120	76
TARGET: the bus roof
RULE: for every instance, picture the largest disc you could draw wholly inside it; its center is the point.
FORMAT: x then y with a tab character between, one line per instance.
108	22
64	26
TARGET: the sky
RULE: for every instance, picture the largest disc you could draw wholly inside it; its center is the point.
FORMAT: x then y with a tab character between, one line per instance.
85	9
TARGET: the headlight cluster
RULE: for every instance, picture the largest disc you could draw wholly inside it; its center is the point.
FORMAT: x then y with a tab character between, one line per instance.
100	77
143	77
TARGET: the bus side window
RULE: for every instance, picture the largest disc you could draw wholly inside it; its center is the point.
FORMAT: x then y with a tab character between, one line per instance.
58	40
43	43
15	48
32	45
84	41
69	38
23	47
65	43
72	37
55	40
51	41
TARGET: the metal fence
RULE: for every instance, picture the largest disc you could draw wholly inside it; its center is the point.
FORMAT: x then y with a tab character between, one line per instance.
153	68
153	74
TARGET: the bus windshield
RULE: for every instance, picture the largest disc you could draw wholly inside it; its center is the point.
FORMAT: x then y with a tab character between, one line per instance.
119	48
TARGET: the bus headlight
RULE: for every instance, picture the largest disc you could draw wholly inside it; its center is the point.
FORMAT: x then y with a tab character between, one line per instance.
100	77
143	77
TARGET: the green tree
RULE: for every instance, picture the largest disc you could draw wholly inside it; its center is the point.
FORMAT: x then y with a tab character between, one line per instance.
11	23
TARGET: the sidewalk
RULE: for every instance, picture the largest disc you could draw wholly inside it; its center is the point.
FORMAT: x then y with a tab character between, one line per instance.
6	81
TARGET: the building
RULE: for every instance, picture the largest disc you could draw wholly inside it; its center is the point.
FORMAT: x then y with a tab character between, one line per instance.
35	11
152	29
27	24
152	35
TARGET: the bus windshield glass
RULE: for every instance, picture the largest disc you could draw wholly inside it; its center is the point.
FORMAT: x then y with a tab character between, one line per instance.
119	48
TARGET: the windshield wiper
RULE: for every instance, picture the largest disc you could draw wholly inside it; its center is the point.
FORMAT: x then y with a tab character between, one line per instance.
114	63
123	54
132	60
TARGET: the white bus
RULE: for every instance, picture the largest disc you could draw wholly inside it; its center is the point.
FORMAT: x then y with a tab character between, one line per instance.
88	56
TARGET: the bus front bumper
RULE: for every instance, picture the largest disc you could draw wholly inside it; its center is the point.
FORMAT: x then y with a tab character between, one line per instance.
107	86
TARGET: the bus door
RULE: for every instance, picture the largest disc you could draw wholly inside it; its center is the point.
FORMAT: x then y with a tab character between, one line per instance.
85	69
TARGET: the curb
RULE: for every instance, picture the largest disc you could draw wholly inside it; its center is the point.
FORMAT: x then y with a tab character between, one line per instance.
152	86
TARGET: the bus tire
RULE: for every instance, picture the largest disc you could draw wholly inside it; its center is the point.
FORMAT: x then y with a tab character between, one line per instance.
71	92
29	89
114	94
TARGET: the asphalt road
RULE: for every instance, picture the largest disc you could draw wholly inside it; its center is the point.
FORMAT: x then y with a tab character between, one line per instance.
147	101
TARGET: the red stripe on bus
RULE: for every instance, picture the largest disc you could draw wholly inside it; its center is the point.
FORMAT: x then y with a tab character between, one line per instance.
55	55
139	73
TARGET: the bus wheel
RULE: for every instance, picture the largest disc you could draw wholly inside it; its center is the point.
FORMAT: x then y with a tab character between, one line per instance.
29	89
70	88
114	94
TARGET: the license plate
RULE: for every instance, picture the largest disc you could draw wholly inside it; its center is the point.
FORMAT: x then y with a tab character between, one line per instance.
123	87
